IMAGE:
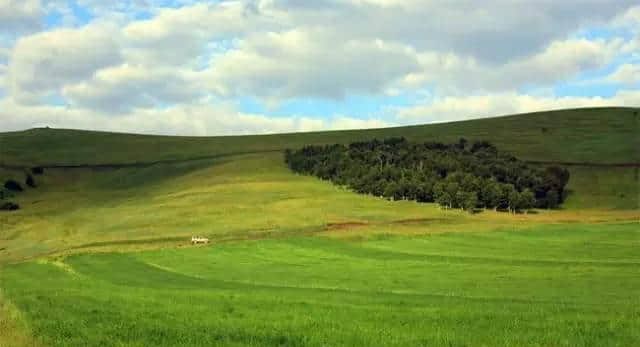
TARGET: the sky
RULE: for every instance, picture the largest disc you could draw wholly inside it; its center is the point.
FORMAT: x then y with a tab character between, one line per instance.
183	67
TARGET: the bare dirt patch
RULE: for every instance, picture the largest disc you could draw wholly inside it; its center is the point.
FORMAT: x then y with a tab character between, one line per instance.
345	225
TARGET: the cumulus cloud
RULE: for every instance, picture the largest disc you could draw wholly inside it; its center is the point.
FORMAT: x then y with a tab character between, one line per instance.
558	61
495	31
626	74
303	63
180	35
4	55
3	72
44	62
119	89
478	106
178	70
19	16
629	19
197	120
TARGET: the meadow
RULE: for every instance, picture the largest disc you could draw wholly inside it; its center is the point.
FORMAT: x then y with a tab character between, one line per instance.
100	255
543	286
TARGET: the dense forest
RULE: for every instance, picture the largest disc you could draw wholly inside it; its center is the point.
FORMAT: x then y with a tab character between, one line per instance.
459	175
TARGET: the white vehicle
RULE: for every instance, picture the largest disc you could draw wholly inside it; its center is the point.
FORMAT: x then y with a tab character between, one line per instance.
195	240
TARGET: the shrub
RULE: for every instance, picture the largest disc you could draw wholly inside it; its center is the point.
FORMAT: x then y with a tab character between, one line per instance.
13	186
38	170
30	181
5	194
9	206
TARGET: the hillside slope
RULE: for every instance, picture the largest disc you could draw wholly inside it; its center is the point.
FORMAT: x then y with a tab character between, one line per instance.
231	195
592	135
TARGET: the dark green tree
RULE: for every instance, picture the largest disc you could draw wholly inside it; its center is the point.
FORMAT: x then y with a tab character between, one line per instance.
30	181
13	186
470	201
432	171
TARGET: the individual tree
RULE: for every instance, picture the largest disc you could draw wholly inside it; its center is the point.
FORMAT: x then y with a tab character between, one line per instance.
459	198
552	199
452	189
442	196
490	193
444	200
392	191
527	200
30	181
469	201
510	197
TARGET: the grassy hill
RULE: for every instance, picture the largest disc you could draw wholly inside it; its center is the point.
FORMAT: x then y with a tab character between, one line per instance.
109	235
240	186
596	135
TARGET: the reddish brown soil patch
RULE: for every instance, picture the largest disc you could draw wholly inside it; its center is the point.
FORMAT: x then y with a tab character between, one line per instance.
345	225
353	224
410	221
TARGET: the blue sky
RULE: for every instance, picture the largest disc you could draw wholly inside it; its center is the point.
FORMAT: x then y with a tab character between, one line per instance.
262	66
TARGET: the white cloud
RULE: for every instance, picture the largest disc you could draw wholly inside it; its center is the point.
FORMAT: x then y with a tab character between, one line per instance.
629	19
118	89
163	74
178	36
626	74
492	32
198	119
557	62
341	123
302	63
478	106
4	55
18	16
3	73
42	63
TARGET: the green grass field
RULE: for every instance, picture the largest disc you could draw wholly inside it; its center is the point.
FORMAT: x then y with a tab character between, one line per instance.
543	286
100	256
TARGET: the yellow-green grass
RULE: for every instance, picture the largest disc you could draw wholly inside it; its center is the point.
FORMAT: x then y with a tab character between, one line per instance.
246	196
236	197
596	135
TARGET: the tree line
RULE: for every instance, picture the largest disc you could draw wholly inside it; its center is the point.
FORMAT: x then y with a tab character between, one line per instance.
458	175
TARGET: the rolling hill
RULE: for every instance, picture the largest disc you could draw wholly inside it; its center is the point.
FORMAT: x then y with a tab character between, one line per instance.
169	187
165	185
108	223
595	135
